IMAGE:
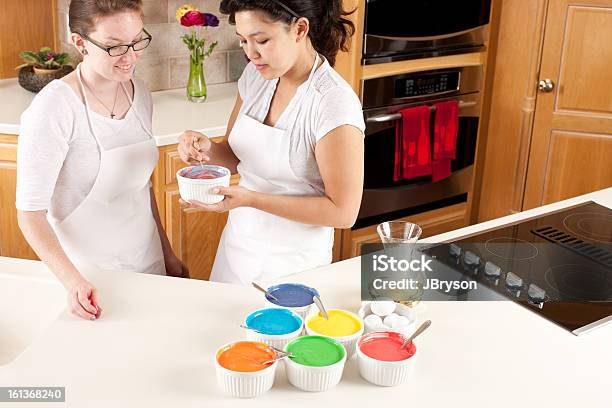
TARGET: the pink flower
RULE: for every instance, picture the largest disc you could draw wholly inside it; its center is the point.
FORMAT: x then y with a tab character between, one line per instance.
193	18
49	56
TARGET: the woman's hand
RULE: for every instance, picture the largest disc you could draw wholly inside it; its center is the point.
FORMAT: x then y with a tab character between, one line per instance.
194	147
82	300
235	196
175	267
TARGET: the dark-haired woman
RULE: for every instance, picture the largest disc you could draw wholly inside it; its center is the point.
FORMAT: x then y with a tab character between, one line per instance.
86	155
295	136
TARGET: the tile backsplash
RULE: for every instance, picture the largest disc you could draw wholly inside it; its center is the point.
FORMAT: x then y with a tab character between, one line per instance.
165	63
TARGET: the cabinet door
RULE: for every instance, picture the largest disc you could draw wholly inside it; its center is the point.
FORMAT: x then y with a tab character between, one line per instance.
25	25
12	242
194	234
572	137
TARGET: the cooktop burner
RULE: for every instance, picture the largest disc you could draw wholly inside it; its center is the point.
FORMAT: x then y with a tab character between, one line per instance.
503	247
574	281
591	226
558	265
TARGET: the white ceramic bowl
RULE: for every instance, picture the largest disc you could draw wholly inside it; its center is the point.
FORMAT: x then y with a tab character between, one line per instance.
200	189
314	379
349	342
400	309
384	373
244	384
275	340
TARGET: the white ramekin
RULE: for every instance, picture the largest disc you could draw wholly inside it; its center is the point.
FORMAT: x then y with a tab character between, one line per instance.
275	340
244	384
314	379
200	189
400	309
384	373
349	342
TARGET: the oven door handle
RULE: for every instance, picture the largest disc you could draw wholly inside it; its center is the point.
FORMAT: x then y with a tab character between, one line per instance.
397	116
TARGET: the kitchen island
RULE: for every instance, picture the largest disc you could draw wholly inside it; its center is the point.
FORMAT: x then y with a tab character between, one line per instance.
155	344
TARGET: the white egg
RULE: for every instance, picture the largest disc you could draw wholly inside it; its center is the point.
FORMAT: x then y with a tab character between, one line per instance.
389	320
410	314
373	321
401	321
382	308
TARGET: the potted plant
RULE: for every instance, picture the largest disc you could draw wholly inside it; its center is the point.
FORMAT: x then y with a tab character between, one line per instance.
45	61
42	67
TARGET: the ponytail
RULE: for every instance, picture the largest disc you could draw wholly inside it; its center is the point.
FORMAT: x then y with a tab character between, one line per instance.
330	29
333	31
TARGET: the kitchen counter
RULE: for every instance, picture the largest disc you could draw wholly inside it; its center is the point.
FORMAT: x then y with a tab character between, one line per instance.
172	112
155	345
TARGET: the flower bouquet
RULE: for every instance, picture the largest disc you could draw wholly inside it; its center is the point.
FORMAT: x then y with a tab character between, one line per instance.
189	16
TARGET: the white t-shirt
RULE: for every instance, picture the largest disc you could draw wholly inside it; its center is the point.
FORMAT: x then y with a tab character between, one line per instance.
58	157
329	102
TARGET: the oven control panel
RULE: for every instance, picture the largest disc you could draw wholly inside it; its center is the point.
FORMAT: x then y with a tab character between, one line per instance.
424	84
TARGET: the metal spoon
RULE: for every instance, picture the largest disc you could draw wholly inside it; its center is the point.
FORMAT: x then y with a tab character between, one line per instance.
319	303
279	351
249	328
268	294
193	142
278	357
418	331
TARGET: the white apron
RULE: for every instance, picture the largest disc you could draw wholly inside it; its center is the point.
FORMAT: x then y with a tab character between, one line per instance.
113	228
256	245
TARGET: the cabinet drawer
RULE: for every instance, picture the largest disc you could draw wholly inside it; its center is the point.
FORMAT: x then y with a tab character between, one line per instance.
8	152
173	164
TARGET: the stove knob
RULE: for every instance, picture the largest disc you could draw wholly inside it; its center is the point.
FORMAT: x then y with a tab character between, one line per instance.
492	270
536	293
514	281
471	259
454	250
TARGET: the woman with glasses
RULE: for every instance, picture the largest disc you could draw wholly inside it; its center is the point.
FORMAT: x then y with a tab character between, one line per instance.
85	157
295	136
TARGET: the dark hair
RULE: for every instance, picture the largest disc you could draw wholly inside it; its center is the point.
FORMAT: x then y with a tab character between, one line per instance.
83	14
329	32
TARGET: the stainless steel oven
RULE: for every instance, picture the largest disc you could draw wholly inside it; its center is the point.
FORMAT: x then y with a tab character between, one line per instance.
383	99
404	29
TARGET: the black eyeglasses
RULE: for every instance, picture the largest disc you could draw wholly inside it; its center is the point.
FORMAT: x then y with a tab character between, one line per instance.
118	50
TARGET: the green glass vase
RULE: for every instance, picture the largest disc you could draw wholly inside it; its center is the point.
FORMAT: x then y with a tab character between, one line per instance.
196	85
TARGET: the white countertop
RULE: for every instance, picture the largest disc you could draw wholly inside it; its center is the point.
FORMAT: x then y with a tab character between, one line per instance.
172	112
155	346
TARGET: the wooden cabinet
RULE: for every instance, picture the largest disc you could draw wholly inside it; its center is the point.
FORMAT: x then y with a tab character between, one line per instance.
12	242
571	146
547	146
25	25
194	234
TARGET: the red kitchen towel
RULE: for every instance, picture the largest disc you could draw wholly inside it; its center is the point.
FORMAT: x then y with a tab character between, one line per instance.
445	138
412	144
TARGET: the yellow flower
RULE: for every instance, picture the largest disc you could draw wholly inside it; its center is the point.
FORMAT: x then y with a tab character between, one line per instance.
185	8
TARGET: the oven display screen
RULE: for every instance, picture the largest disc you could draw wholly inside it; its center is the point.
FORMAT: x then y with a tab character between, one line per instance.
418	85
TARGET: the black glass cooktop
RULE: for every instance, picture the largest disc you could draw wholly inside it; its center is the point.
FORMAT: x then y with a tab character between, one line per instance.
558	265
